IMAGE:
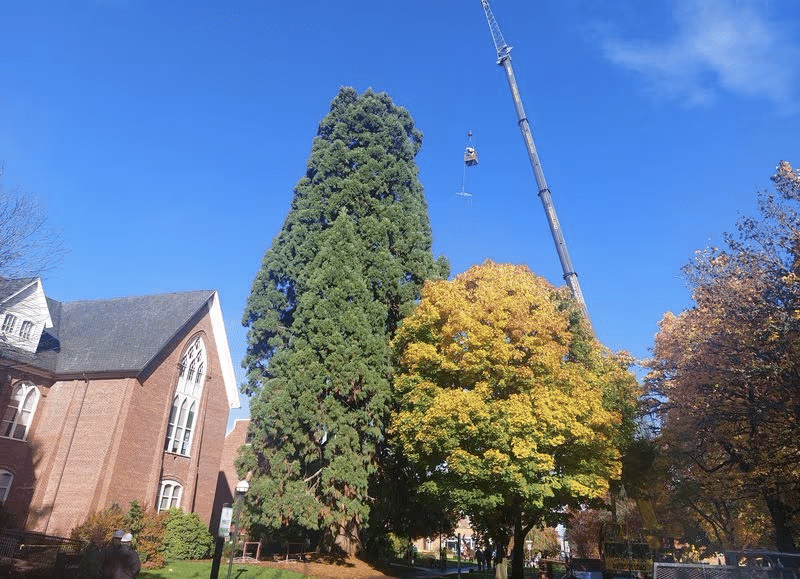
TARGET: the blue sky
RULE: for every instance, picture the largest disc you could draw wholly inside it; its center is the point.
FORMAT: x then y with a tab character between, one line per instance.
164	138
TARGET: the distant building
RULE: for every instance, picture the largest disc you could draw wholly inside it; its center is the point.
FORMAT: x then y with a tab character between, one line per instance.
469	542
235	438
107	401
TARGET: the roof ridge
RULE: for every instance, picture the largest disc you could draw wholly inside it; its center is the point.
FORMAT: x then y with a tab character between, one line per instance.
140	296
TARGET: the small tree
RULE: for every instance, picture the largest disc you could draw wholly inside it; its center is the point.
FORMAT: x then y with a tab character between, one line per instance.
583	532
99	527
544	541
150	540
28	246
134	518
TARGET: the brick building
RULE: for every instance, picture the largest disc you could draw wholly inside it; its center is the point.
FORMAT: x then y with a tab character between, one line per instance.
237	436
111	400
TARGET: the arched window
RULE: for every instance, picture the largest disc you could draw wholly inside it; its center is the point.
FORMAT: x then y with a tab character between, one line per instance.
187	399
6	478
19	412
169	495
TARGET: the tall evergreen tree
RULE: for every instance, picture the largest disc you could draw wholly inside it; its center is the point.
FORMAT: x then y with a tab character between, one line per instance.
347	265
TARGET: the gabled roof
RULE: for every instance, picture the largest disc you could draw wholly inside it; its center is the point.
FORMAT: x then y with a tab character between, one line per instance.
124	335
11	287
121	334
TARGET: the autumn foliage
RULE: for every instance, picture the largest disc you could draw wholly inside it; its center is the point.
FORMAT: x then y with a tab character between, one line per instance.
727	376
509	402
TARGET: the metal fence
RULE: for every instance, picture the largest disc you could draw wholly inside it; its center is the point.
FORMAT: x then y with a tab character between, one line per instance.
704	571
58	554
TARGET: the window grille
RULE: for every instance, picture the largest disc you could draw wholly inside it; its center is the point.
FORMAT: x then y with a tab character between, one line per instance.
25	330
191	376
169	496
8	323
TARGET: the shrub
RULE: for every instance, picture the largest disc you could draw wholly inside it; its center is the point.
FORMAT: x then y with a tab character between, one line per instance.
186	536
150	540
146	526
99	527
387	546
134	518
156	536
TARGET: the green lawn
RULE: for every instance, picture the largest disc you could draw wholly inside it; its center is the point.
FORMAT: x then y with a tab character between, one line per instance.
202	570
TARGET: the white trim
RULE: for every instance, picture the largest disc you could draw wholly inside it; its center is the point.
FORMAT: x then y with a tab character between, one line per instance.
223	351
42	303
174	485
20	290
25	388
39	297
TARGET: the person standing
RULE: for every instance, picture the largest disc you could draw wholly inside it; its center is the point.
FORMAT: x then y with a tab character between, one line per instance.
120	560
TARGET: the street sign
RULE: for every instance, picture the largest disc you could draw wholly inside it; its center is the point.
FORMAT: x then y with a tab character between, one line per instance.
225	522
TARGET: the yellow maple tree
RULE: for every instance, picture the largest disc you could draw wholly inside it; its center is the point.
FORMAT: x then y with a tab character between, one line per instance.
507	399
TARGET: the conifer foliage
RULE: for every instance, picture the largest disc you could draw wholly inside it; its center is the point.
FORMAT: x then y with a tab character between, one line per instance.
347	265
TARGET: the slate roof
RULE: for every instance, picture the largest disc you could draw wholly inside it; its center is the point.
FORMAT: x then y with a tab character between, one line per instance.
120	335
11	287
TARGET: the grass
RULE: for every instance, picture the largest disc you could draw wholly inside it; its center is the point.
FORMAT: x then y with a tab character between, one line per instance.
202	570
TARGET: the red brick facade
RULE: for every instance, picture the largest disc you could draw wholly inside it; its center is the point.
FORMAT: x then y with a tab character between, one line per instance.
100	439
234	440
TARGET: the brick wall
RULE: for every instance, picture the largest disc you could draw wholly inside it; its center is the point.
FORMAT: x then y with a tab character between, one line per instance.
100	441
233	442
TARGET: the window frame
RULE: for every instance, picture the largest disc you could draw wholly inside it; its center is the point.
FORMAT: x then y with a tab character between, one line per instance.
174	501
18	416
26	329
5	490
188	395
9	322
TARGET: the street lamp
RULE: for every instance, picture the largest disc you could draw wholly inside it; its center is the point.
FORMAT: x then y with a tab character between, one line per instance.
241	489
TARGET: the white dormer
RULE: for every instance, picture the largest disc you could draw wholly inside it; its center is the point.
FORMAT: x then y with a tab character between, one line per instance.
23	313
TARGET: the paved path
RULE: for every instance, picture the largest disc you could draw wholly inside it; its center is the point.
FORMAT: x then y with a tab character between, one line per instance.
408	572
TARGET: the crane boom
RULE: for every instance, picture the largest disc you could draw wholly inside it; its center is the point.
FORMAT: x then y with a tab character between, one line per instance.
504	59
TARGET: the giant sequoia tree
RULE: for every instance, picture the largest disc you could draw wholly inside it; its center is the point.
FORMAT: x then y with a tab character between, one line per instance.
728	371
347	265
510	405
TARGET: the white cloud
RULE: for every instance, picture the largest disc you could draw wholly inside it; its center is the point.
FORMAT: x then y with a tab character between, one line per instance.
719	45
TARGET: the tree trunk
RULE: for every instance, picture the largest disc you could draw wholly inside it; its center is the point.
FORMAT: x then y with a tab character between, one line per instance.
518	550
614	491
780	513
345	538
